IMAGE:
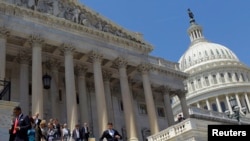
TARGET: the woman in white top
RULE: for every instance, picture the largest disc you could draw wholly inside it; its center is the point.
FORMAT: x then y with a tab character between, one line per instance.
65	133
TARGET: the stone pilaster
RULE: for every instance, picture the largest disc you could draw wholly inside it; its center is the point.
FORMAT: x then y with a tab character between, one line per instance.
37	85
72	115
24	60
99	91
127	100
4	33
82	91
166	92
144	69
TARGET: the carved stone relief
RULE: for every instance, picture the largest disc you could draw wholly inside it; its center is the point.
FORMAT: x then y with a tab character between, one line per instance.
75	13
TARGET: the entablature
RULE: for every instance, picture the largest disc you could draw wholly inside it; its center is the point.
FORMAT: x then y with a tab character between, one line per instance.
107	30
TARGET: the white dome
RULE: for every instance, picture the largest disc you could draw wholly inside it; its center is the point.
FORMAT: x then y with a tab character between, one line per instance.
204	51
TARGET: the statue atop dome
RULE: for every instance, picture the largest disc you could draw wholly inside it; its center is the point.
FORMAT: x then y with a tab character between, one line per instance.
191	16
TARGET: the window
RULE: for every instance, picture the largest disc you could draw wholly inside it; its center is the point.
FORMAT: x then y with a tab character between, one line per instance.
214	107
222	78
160	111
77	98
199	83
206	53
223	106
192	84
214	79
212	53
237	77
121	105
60	95
217	52
242	76
222	52
229	77
30	89
207	81
142	109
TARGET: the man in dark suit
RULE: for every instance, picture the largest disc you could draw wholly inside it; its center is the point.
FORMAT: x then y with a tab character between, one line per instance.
37	119
76	134
111	134
22	125
85	132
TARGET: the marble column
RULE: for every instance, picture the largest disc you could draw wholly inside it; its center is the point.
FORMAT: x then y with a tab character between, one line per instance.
198	105
218	104
247	101
54	65
82	91
229	105
99	91
127	100
170	117
4	33
208	105
182	96
238	101
106	77
144	69
24	60
71	105
37	85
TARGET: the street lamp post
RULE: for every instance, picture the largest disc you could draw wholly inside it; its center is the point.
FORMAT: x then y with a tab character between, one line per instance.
237	112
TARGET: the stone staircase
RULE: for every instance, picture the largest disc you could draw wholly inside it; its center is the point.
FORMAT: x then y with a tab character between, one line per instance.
6	109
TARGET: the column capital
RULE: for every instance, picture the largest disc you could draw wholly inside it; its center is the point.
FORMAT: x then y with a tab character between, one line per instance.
165	89
81	69
120	62
24	57
144	67
180	92
67	48
106	75
36	39
95	56
4	32
54	64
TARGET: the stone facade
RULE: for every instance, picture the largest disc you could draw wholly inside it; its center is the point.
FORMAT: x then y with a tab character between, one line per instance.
100	71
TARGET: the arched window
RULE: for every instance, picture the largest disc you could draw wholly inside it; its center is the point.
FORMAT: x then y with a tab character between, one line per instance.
214	107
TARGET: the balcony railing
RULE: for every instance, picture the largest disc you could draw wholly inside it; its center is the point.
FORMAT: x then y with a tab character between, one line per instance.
188	124
5	90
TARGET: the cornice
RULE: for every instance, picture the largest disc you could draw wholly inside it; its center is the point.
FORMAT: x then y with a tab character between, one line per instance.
208	67
44	18
170	71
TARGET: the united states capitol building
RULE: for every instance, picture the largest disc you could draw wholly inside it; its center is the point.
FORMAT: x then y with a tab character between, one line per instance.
101	72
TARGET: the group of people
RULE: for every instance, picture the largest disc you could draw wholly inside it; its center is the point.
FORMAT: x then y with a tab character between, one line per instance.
32	128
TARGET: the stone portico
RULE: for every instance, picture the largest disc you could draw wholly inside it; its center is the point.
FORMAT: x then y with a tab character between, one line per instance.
100	71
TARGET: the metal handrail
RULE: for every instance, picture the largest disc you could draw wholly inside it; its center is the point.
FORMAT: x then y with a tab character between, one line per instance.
5	90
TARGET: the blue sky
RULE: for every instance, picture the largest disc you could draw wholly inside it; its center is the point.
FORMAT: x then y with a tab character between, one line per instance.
164	23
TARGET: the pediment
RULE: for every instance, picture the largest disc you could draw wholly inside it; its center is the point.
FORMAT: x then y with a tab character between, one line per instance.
76	12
